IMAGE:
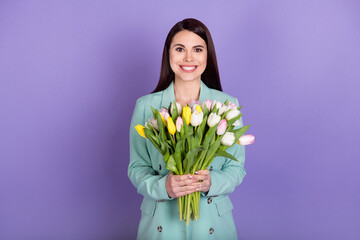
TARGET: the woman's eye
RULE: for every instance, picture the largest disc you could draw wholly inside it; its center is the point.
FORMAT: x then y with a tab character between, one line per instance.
179	49
198	50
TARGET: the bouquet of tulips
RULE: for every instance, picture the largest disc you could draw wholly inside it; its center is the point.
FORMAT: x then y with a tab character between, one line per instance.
189	138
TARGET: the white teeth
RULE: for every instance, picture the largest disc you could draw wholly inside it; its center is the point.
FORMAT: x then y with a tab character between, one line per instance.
188	68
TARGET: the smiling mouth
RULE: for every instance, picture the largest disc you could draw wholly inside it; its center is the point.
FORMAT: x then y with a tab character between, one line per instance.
188	68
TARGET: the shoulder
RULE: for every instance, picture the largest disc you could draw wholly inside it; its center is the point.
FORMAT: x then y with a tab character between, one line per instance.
150	99
221	96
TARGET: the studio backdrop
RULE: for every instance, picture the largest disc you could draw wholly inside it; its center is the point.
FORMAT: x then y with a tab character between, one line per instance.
70	74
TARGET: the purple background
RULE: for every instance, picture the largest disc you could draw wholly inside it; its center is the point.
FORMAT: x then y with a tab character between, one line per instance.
71	71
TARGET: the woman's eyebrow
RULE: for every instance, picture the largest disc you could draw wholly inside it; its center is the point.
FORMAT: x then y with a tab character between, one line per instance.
181	45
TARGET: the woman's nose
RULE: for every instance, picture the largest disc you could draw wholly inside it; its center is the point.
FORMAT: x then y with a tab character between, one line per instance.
188	56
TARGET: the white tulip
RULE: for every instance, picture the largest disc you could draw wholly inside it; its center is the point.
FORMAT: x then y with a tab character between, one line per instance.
222	110
228	139
213	119
196	118
216	104
153	122
246	139
178	106
237	123
233	113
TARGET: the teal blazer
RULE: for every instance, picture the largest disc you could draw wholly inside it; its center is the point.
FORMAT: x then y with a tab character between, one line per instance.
147	172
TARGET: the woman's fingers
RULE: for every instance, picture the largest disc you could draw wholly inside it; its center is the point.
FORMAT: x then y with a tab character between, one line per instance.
180	185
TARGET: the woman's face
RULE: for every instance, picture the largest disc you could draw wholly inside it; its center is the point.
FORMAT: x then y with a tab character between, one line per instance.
187	56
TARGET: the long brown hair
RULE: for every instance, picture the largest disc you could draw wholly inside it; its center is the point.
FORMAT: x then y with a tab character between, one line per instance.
211	74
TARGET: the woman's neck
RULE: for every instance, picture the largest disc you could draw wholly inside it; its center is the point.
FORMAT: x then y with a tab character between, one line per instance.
186	91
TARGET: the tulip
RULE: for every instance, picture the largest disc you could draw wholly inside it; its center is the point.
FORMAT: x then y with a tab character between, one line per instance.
221	128
178	106
194	103
228	139
196	118
232	105
186	114
198	108
213	119
246	139
208	103
153	122
171	126
140	129
216	104
233	113
219	105
164	114
237	123
179	123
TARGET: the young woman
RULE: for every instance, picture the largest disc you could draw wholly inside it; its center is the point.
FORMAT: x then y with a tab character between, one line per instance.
188	72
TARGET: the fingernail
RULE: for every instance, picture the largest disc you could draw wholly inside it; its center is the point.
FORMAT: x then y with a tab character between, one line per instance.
197	189
196	172
190	176
200	185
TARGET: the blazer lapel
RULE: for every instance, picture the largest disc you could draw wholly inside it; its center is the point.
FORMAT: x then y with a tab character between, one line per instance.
168	96
204	92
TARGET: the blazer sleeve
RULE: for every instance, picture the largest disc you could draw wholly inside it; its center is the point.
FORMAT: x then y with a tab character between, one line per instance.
140	170
232	173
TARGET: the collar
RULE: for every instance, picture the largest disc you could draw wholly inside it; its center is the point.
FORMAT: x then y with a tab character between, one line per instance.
169	96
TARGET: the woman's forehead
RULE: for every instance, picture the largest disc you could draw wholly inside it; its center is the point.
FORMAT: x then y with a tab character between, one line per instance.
187	38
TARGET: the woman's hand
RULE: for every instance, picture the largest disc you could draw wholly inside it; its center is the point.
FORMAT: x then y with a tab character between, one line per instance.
205	184
181	185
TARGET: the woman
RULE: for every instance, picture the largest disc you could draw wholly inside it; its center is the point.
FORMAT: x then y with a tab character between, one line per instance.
188	72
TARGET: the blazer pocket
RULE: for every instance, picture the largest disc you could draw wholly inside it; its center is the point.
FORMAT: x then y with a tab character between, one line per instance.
148	206
223	205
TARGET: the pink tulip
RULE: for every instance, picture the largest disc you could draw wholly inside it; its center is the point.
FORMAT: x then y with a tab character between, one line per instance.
193	103
179	123
221	128
208	103
165	113
246	139
232	105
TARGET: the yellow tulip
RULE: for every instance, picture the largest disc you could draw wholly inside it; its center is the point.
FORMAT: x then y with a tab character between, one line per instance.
171	126
198	108
163	119
187	114
140	130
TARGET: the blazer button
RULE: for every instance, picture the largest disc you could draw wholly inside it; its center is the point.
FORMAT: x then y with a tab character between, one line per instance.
159	167
209	200
211	230
159	228
211	168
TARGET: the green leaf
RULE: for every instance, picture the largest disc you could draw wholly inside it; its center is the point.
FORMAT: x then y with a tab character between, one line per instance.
175	112
231	121
166	156
161	125
171	165
222	153
205	110
241	131
177	156
189	159
154	140
153	111
209	135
